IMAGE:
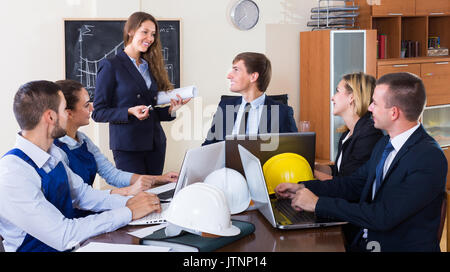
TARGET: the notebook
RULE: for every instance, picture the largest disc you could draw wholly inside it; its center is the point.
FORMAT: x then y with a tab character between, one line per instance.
280	214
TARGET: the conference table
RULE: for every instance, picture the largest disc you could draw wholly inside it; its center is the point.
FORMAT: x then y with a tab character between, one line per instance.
264	239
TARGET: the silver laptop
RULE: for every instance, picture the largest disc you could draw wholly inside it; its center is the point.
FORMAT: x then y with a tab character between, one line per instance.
197	164
279	213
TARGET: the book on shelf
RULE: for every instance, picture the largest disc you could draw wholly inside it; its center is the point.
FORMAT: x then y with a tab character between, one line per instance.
412	48
434	42
382	46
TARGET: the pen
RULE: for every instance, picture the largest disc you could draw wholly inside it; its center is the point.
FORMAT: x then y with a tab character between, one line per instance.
149	107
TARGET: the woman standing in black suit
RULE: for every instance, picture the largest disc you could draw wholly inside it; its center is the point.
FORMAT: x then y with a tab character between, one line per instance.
351	101
126	85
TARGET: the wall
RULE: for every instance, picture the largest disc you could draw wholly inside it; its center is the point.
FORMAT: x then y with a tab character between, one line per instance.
33	49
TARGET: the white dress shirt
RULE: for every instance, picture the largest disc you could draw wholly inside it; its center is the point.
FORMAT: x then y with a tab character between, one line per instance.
397	142
338	163
254	115
105	168
24	208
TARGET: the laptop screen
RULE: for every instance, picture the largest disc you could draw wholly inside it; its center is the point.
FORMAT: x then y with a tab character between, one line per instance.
265	146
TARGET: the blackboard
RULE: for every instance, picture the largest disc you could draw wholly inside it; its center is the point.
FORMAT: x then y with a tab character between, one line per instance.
87	42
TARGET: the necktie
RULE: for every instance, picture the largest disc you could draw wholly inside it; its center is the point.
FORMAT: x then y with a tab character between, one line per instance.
244	119
379	171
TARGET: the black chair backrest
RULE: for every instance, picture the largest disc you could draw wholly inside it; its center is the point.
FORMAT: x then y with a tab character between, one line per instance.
443	215
282	98
2	249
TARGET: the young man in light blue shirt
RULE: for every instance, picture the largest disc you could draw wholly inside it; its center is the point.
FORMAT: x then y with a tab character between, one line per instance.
38	191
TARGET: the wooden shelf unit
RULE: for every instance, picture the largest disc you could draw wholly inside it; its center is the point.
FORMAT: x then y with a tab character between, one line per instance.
413	20
407	20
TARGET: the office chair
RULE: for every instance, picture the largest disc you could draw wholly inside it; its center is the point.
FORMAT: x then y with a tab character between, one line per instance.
282	98
448	218
444	211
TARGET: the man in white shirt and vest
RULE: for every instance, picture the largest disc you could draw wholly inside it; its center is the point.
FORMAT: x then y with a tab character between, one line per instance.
396	197
38	192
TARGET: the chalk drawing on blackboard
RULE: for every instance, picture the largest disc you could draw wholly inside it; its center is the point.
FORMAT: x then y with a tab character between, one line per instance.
88	68
87	42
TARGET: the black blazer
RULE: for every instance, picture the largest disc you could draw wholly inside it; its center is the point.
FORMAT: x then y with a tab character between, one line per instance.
357	149
405	213
120	86
225	117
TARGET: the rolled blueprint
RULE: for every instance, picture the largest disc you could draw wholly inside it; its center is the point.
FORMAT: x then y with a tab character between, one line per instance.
185	93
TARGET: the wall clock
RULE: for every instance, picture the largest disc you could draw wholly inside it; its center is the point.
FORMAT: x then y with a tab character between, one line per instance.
245	14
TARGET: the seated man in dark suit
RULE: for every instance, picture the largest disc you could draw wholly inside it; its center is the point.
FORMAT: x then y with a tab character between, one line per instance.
253	112
399	191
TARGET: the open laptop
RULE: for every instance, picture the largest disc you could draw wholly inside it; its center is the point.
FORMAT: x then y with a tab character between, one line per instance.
279	213
265	146
197	164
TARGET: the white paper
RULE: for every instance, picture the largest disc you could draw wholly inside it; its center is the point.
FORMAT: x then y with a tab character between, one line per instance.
108	247
162	188
185	93
141	233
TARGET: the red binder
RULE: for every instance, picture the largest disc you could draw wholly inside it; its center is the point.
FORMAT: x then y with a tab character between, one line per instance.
383	44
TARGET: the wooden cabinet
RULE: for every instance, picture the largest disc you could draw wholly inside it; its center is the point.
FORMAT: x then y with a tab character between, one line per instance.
394	8
435	73
414	20
436	77
396	68
434	7
325	56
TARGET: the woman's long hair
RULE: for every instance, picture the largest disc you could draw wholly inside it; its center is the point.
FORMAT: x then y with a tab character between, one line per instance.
154	54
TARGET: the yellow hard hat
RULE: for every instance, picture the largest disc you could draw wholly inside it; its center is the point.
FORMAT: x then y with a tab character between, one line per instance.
286	167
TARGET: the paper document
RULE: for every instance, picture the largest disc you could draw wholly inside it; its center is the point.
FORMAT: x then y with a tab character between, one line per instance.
107	247
185	93
141	233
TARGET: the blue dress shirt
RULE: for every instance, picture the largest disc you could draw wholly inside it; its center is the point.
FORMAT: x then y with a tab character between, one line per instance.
143	70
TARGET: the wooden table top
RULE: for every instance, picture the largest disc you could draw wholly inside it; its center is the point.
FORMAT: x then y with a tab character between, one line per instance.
264	239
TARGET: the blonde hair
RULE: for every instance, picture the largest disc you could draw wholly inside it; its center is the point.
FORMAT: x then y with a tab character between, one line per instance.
361	85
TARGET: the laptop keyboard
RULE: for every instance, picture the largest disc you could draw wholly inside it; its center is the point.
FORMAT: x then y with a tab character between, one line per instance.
153	218
284	206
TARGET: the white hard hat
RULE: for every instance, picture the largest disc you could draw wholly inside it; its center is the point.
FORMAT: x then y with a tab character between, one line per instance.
233	185
200	208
